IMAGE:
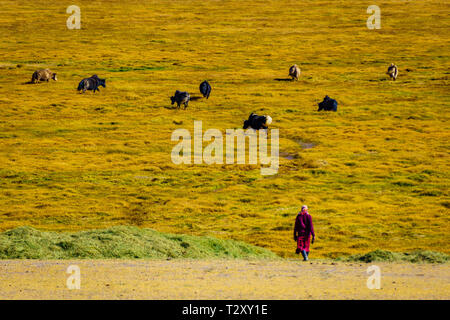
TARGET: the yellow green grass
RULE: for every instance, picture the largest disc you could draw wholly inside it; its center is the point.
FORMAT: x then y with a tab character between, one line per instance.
376	176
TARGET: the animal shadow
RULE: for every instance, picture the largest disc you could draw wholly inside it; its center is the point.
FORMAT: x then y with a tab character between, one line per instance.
283	79
195	98
171	107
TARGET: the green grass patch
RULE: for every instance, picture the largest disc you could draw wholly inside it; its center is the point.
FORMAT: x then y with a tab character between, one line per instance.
126	69
389	256
120	242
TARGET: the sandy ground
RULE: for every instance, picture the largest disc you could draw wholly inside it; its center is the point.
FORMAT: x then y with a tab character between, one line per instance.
220	279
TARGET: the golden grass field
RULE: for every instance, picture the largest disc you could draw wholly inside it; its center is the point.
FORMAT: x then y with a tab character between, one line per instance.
375	174
220	280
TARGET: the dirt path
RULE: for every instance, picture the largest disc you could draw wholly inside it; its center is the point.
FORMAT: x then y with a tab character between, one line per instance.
219	279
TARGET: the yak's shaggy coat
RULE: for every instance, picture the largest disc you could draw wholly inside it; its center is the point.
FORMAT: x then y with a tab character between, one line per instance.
43	75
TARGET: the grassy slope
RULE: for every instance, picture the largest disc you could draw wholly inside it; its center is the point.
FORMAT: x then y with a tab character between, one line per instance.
120	242
377	176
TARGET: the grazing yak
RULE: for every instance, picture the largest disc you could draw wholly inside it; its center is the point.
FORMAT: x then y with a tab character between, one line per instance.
43	75
91	83
294	72
257	122
392	71
328	104
205	89
181	97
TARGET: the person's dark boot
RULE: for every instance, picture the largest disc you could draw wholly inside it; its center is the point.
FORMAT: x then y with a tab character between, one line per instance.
305	256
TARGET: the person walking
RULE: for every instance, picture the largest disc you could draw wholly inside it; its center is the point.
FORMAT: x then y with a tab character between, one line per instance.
303	229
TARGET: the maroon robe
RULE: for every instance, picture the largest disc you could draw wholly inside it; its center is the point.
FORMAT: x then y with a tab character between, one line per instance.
303	229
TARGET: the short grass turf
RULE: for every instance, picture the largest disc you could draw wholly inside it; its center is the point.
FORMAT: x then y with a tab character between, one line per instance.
375	174
120	242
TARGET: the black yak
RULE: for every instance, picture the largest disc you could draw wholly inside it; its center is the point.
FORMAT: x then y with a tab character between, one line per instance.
392	71
294	72
91	83
205	89
257	122
181	97
328	104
